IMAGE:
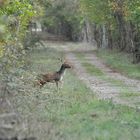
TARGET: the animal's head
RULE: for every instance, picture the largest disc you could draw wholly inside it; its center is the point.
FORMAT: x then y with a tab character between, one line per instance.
66	65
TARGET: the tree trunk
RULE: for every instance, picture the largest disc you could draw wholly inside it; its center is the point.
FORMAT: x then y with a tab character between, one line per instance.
110	40
104	37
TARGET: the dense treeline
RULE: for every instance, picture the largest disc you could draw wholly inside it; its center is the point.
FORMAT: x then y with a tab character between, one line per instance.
115	23
109	23
62	18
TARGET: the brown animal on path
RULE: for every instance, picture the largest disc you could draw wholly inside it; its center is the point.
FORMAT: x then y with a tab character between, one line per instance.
55	76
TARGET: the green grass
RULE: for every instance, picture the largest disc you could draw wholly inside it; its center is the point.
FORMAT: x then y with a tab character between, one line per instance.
92	69
130	94
125	91
80	55
73	113
120	62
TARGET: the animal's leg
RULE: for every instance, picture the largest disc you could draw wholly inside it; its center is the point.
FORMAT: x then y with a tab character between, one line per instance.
57	85
61	82
42	83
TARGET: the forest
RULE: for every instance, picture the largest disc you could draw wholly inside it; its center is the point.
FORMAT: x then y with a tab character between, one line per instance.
112	24
98	97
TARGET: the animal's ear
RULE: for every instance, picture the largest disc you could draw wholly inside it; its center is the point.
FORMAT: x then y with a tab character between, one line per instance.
60	59
64	60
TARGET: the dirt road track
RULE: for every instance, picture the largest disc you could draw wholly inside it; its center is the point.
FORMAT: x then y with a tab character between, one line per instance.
102	88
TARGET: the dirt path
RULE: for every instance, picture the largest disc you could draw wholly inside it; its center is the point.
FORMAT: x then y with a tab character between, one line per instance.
103	88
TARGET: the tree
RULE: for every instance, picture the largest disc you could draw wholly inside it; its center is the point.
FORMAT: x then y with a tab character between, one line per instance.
116	23
62	18
15	17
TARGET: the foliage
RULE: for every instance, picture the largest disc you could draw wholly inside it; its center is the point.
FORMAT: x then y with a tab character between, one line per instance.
96	10
62	17
15	16
134	10
117	23
102	11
